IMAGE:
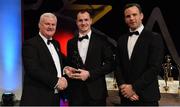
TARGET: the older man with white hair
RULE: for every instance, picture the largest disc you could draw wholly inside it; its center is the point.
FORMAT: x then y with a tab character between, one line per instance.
42	60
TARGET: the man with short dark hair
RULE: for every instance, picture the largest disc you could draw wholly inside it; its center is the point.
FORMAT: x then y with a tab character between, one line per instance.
139	57
91	57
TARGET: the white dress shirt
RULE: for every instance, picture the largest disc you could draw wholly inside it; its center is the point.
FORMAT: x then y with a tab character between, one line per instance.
83	46
132	40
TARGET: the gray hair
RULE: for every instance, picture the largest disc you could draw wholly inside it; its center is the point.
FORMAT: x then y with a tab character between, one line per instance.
47	15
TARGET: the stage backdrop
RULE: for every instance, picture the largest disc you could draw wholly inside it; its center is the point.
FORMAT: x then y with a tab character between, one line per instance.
159	16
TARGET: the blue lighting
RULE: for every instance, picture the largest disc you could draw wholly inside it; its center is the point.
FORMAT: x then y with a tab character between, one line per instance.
10	46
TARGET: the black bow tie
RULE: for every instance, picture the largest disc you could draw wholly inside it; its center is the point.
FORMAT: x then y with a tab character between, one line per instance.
84	37
50	41
134	33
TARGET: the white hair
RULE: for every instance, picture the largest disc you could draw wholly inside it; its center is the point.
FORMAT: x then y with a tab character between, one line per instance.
47	15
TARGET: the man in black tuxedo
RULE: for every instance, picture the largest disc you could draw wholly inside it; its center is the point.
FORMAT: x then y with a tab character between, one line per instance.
43	78
139	56
90	57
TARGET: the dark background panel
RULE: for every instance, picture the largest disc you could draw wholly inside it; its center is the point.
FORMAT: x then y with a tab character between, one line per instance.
111	24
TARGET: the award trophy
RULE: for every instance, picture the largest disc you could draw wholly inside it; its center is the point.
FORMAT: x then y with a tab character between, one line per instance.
166	87
167	71
169	66
77	61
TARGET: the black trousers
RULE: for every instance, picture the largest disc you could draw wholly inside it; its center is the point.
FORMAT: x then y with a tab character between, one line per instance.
127	102
84	99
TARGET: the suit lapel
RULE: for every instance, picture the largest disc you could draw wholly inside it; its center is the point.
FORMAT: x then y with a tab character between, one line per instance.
137	45
90	48
45	49
78	59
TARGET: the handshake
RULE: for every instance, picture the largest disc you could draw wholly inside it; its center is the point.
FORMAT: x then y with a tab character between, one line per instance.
79	74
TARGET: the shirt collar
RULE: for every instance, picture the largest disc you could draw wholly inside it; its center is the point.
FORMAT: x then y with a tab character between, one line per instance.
89	34
139	29
44	38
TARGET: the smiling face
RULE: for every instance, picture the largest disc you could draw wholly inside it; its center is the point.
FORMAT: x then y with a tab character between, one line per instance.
84	22
47	25
133	17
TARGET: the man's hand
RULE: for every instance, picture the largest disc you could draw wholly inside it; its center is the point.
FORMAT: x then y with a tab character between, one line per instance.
81	75
62	83
134	97
69	71
128	92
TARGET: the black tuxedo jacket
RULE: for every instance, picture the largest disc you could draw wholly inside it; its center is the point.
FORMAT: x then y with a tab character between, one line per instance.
142	69
40	76
98	62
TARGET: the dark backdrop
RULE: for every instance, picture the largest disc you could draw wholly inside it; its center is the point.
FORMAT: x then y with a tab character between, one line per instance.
111	24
